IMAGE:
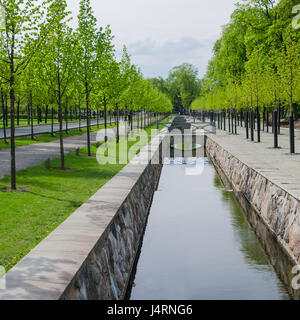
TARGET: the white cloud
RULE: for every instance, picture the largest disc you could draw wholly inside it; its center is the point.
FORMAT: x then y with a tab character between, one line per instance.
162	33
158	58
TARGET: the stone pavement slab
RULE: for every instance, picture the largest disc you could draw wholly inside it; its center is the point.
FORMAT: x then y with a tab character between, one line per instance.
277	165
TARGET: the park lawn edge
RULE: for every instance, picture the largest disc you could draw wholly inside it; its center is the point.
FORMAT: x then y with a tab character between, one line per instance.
29	217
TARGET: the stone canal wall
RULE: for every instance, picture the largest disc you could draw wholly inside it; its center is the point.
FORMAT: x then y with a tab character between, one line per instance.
92	253
105	273
276	207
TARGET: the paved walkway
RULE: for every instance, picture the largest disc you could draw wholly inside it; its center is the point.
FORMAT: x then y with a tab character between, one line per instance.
278	165
35	154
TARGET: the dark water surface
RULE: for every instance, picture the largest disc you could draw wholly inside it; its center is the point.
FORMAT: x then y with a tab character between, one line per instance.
199	245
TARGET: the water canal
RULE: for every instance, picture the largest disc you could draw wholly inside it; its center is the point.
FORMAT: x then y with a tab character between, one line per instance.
198	243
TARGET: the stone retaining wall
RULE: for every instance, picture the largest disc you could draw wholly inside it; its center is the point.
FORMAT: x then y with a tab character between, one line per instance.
107	269
278	209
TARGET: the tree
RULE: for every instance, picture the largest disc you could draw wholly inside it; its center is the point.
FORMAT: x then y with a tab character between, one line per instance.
86	57
58	59
289	68
123	73
105	58
183	85
160	84
23	33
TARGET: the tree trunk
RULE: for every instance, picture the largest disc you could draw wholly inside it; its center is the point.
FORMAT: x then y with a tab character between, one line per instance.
28	114
46	114
118	132
294	110
97	115
247	123
264	118
4	117
31	116
38	115
18	113
279	117
52	123
41	114
88	119
79	121
66	119
105	119
6	109
12	125
60	119
252	125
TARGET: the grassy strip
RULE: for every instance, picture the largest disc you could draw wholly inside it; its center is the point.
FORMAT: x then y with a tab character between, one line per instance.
24	123
45	137
52	196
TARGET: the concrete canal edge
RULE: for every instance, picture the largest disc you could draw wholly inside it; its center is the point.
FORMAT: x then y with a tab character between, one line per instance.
274	206
91	254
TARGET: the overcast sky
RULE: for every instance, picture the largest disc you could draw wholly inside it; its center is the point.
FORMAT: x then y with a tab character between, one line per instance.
161	34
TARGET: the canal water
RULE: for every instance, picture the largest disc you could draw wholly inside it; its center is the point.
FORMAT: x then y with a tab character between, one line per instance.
198	243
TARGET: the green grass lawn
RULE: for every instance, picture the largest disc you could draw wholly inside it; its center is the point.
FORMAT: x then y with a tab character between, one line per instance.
51	196
24	123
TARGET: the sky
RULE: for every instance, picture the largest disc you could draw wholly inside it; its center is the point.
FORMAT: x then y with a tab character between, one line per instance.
161	34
